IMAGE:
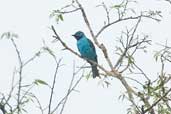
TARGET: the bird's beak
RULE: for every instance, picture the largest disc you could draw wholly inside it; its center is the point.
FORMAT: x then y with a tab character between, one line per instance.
73	35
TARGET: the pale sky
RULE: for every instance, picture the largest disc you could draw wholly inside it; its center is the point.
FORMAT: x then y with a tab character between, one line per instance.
30	20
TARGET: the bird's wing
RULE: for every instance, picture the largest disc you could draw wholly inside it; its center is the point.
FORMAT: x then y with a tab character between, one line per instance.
91	45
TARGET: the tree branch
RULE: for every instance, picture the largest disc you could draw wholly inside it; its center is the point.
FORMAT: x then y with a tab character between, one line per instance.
120	20
20	74
53	84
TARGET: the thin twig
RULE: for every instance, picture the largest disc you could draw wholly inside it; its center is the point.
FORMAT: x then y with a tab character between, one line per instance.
20	74
71	11
120	20
69	89
134	80
63	100
128	43
107	12
39	104
32	58
53	84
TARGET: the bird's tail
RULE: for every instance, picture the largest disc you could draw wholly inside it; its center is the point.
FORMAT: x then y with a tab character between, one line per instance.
95	71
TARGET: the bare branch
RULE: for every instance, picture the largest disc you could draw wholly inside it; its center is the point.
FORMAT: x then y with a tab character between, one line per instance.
124	19
39	105
107	12
72	87
32	58
134	80
20	74
128	43
53	84
71	11
69	89
85	18
142	71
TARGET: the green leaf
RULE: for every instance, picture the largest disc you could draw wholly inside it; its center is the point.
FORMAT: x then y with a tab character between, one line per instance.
130	60
38	81
156	56
117	6
87	76
61	17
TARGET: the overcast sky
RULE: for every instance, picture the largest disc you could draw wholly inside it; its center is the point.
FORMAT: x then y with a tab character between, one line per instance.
30	20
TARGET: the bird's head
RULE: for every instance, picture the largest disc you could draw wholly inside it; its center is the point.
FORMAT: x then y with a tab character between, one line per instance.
78	35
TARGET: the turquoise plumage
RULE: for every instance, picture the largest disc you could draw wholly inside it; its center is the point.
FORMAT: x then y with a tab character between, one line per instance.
87	51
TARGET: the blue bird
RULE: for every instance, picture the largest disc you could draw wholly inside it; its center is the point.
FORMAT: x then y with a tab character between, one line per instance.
87	51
